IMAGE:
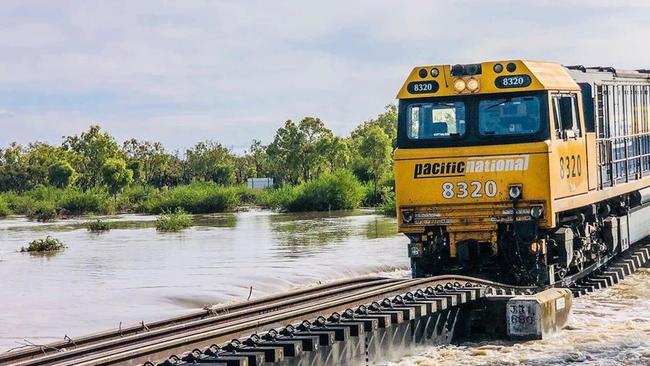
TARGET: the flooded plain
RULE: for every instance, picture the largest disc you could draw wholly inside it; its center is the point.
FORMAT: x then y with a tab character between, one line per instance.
133	273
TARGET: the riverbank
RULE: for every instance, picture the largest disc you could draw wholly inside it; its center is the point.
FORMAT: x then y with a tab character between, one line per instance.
336	191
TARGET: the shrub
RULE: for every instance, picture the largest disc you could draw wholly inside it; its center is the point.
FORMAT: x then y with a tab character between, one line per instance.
248	196
279	198
98	225
133	198
4	208
337	191
115	175
43	245
43	211
194	198
77	202
370	198
388	206
384	188
61	174
19	204
174	221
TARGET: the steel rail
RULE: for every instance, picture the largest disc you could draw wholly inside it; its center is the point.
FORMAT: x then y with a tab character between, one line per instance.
194	319
158	350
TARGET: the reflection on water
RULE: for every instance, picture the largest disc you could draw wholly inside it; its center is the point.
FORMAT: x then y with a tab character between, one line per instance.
133	273
317	229
610	327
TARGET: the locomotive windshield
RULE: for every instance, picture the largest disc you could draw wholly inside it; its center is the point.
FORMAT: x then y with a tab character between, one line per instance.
509	115
436	120
473	120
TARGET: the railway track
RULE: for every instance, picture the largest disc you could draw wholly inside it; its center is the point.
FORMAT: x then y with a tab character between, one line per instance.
157	341
209	316
231	332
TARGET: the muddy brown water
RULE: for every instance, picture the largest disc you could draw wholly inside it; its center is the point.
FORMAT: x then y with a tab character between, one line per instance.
133	273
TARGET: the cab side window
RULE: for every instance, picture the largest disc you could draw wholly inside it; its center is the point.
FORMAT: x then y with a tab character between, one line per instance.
565	111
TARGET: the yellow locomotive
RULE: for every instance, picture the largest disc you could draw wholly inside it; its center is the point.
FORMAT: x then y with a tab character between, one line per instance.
521	171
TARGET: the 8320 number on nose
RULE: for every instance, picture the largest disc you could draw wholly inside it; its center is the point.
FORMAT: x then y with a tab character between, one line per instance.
473	189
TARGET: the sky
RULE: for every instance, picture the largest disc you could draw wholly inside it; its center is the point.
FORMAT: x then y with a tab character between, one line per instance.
231	71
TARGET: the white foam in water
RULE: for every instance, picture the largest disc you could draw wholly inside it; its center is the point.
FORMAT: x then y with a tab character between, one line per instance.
610	327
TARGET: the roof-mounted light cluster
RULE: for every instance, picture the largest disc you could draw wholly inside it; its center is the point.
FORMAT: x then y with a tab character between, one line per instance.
510	67
464	78
466	85
466	70
423	73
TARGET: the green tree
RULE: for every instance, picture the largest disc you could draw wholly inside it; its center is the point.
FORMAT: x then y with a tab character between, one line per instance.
61	174
315	142
209	161
285	153
299	152
151	163
88	154
375	149
39	158
14	174
387	121
22	169
259	158
244	168
116	175
336	153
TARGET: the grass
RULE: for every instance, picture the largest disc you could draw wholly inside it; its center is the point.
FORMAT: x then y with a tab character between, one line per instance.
77	202
174	221
42	211
47	203
194	198
132	198
19	204
49	244
98	225
249	196
388	206
277	198
338	191
4	208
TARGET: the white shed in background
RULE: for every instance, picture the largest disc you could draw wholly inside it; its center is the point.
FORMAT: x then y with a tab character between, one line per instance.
260	183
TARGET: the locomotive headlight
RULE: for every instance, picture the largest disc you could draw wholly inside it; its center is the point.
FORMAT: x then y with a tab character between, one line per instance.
459	85
514	192
536	211
538	246
472	85
407	216
535	247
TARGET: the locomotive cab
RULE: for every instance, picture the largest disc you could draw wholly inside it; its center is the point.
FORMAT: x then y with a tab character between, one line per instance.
487	156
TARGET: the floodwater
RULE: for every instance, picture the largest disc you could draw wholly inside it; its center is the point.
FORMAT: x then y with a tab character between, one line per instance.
133	273
608	328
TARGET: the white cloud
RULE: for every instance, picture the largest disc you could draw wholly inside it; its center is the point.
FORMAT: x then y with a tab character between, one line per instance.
185	71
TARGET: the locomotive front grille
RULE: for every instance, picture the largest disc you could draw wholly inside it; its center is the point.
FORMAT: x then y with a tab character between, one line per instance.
470	217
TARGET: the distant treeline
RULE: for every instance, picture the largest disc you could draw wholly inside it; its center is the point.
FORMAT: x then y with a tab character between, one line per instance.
139	175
